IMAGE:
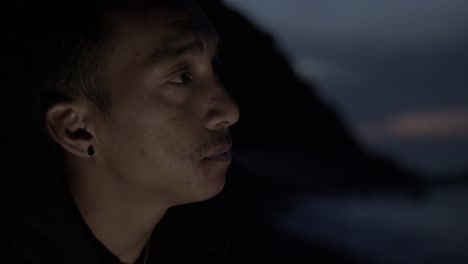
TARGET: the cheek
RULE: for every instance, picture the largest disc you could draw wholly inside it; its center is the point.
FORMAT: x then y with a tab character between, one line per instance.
164	139
158	132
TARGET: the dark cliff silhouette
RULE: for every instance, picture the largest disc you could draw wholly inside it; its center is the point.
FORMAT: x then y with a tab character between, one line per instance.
280	112
287	142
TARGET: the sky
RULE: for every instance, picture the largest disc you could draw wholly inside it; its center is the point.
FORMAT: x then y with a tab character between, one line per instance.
396	70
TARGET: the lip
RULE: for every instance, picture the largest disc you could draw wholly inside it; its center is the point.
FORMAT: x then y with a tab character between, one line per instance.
221	154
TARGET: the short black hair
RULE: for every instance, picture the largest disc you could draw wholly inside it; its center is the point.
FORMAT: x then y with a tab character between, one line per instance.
56	53
59	49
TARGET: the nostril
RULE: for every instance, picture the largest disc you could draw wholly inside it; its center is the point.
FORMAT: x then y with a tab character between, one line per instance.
224	124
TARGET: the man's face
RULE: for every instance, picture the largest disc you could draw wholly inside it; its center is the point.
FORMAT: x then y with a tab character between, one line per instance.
169	112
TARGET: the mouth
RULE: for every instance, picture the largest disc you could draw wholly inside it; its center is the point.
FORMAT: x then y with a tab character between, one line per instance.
220	154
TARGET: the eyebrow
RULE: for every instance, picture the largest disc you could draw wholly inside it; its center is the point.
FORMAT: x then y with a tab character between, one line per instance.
173	51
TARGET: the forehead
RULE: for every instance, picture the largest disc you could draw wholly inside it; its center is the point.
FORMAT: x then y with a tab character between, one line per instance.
167	23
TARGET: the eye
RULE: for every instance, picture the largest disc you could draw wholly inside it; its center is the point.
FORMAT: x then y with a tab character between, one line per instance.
182	78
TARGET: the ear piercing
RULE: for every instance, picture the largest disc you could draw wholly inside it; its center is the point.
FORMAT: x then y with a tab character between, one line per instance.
91	151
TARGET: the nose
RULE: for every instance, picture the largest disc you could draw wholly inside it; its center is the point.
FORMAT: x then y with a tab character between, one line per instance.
223	111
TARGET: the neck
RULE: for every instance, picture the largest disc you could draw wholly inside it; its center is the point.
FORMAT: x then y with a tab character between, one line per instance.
121	220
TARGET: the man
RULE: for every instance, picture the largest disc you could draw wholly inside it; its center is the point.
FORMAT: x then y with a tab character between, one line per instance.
128	91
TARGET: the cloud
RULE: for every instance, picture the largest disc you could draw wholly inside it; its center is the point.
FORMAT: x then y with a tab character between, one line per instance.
441	124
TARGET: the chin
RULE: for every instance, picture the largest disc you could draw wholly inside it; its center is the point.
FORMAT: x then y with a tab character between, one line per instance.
207	189
213	188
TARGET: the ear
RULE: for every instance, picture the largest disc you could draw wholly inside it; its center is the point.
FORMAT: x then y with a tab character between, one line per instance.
65	124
